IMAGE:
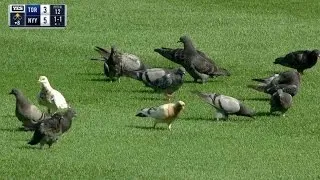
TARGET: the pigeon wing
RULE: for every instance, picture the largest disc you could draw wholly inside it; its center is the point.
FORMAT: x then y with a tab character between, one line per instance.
131	62
285	100
229	104
151	76
103	52
59	100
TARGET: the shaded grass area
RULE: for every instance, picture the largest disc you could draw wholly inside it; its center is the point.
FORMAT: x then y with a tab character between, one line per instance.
108	141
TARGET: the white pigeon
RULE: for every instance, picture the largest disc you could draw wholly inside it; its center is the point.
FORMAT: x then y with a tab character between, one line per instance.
50	97
165	113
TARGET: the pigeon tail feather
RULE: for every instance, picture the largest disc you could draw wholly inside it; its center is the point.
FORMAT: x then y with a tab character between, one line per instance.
256	87
278	60
140	114
258	80
103	52
36	138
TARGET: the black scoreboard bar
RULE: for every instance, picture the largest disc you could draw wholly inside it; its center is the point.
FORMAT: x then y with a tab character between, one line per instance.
37	15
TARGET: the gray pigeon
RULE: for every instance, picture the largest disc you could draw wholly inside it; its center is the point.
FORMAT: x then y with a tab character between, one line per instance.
49	130
161	80
280	101
119	62
299	60
196	63
288	81
225	105
26	112
176	55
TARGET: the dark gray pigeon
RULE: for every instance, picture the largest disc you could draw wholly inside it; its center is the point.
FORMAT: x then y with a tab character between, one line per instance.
112	65
280	101
49	130
225	105
288	81
120	62
65	118
26	112
176	55
299	60
161	80
196	63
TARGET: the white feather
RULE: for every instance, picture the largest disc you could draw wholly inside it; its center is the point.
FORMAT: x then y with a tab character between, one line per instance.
50	97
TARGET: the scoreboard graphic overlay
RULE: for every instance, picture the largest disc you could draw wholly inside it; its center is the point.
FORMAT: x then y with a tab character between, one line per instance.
37	15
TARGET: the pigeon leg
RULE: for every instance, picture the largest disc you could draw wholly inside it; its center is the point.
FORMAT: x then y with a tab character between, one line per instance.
203	81
168	97
220	115
154	125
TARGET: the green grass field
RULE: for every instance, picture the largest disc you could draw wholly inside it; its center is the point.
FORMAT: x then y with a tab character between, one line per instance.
107	141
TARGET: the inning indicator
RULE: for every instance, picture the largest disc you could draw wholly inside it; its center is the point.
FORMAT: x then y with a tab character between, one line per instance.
37	15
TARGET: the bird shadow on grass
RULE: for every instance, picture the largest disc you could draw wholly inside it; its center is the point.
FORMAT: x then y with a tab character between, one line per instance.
20	129
254	99
148	128
100	80
190	82
29	147
268	114
149	98
198	119
8	116
89	74
143	91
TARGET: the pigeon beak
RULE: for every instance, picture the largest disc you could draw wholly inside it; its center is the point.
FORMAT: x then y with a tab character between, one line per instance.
11	92
179	41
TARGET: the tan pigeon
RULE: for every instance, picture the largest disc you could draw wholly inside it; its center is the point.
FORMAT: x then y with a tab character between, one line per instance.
166	113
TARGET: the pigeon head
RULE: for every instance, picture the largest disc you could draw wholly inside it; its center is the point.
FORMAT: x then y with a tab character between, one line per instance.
111	59
113	50
224	72
180	104
280	91
15	92
70	113
181	71
43	80
184	39
316	52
